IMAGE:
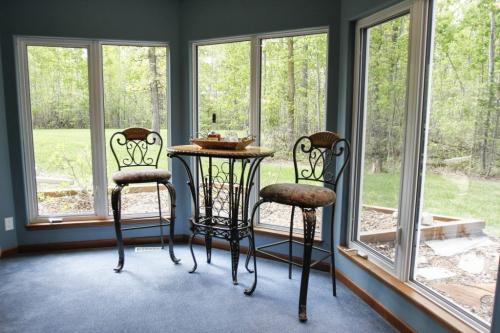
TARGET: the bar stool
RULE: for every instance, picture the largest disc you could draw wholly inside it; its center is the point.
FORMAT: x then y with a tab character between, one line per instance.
134	148
314	160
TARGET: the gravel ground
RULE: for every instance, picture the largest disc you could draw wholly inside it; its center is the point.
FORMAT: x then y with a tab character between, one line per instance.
473	291
81	204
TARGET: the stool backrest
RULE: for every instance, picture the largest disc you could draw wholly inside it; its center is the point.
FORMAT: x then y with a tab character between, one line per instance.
135	147
315	157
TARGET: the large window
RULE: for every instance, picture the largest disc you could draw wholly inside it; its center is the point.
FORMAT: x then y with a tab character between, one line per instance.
270	86
60	119
426	136
74	94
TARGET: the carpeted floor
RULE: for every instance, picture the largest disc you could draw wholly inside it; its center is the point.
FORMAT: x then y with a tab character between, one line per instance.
79	292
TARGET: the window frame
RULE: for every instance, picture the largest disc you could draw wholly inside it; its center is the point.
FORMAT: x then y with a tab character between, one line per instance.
96	118
413	169
255	91
404	231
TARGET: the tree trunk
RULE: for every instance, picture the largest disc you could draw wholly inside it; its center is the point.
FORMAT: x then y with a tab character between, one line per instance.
319	126
306	117
492	89
153	88
291	94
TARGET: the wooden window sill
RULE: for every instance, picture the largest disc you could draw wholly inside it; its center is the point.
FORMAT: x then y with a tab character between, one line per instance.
449	320
146	220
87	223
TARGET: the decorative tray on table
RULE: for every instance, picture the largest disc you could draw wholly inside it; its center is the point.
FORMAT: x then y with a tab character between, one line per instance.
241	144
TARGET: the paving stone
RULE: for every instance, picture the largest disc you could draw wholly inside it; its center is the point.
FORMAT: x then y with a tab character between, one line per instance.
434	273
471	263
452	246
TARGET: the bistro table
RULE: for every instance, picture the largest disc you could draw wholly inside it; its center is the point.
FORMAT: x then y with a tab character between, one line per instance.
222	198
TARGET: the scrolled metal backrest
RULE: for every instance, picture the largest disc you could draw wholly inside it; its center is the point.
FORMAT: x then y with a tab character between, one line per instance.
320	152
134	144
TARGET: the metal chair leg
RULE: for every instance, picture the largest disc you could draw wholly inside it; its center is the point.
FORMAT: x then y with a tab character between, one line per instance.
171	191
161	217
290	244
309	216
116	205
332	250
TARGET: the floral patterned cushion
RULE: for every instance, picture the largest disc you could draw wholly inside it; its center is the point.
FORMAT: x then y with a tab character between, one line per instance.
302	195
141	176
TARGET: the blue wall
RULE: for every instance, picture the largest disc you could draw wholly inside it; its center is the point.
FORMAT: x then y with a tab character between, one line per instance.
8	239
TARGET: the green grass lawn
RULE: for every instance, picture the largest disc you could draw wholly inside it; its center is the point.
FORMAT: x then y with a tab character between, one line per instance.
62	153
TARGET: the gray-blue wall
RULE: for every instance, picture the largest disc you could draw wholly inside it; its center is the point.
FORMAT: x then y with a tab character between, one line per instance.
8	239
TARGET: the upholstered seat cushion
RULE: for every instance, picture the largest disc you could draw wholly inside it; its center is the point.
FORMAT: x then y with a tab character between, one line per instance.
302	195
141	176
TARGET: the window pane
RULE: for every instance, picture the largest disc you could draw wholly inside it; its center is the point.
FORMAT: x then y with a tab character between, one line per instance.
459	245
385	86
224	88
135	95
59	100
293	87
223	91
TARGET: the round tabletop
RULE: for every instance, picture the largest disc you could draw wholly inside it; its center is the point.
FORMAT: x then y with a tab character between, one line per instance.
194	150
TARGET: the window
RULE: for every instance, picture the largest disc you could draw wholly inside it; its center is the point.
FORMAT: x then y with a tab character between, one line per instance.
59	102
224	88
135	95
74	94
271	86
426	159
384	113
293	104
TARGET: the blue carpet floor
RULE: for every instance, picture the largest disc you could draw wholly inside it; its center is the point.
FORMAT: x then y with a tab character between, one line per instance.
78	291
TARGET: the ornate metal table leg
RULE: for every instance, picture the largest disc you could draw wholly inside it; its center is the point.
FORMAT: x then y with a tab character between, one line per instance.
171	191
249	291
194	196
116	205
309	216
249	256
208	246
235	257
195	265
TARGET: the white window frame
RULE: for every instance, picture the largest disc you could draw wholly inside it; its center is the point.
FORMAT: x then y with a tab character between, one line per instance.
96	114
255	88
418	85
411	142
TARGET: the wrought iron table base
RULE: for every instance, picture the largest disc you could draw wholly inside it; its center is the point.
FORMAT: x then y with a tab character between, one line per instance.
223	232
233	224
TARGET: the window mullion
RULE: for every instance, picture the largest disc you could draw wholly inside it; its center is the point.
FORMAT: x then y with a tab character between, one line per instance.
255	69
255	72
26	129
98	137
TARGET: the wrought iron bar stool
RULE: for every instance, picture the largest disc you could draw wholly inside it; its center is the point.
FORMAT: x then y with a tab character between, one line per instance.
314	160
135	145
